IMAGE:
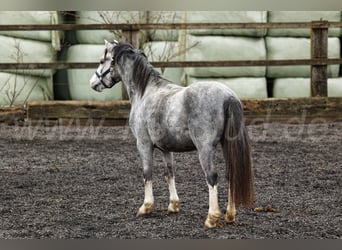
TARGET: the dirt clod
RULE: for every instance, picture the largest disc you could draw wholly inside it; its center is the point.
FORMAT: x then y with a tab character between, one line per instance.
267	208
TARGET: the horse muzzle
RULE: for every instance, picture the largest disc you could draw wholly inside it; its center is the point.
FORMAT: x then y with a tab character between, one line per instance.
96	84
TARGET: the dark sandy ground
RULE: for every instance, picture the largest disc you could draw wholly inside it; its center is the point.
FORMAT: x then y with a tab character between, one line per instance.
86	182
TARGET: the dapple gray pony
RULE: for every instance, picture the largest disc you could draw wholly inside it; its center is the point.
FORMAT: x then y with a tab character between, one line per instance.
172	118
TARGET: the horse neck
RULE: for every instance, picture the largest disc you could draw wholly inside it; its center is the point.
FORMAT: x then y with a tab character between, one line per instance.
137	77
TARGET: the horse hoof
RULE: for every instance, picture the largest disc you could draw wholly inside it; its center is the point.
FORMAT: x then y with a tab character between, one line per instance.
229	218
173	207
212	221
145	209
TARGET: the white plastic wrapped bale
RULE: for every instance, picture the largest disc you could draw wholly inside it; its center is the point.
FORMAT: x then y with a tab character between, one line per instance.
302	16
16	50
213	48
165	51
17	89
164	17
300	87
78	79
335	87
291	88
244	87
297	48
33	17
227	17
103	17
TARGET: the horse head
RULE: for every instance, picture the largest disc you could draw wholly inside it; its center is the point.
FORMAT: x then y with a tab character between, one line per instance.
105	76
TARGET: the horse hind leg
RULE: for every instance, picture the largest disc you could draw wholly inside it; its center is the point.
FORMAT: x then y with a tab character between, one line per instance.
146	154
230	214
214	213
170	179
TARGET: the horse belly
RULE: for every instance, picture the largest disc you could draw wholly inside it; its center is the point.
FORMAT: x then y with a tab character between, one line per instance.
175	143
172	136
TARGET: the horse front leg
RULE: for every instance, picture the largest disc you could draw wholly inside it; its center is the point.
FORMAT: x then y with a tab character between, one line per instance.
146	155
170	179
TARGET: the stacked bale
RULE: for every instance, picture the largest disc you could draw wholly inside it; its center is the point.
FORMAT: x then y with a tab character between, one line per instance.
300	87
228	44
294	81
19	86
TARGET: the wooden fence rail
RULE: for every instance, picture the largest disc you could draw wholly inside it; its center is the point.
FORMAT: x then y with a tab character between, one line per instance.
256	111
176	26
179	64
111	113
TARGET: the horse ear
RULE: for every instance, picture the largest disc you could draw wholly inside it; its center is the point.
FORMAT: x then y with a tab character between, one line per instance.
109	45
115	42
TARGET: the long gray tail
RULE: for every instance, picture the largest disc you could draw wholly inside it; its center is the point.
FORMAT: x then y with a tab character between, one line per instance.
237	152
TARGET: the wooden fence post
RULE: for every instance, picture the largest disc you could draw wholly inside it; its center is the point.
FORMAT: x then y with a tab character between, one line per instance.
319	50
132	37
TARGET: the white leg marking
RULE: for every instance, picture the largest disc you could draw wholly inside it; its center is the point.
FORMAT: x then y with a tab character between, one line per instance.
213	200
149	199
231	211
146	208
214	212
174	200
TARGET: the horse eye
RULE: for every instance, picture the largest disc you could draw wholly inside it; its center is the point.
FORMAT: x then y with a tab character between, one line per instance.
101	61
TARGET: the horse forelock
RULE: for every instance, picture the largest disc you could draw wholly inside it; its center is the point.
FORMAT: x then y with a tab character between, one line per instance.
142	69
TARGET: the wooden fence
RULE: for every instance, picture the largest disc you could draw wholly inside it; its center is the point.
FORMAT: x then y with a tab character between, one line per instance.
318	108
